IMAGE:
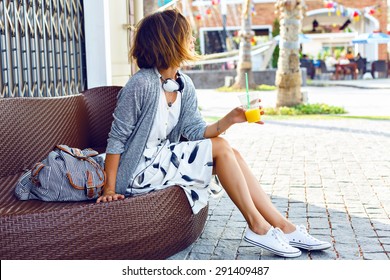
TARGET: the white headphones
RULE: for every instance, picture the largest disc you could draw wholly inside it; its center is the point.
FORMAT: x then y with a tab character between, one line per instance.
171	85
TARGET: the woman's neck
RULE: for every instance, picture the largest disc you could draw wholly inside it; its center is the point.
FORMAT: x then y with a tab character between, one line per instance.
168	73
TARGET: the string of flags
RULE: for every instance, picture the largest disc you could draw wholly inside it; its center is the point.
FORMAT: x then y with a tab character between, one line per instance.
353	13
333	7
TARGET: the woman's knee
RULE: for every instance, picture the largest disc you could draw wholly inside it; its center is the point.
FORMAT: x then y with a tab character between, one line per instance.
221	147
237	153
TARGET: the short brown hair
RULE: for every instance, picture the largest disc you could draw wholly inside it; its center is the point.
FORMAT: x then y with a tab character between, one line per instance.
162	40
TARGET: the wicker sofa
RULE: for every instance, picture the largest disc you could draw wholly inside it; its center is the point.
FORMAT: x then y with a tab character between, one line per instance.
152	226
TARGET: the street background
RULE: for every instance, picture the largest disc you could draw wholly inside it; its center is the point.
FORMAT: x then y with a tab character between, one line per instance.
331	174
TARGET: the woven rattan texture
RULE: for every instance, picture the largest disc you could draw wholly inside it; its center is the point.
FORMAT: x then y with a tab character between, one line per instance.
100	103
30	127
152	226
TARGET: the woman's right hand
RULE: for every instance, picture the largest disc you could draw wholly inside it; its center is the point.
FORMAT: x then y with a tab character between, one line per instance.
237	115
109	195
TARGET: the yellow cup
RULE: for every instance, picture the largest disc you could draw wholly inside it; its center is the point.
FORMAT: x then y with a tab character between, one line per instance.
253	115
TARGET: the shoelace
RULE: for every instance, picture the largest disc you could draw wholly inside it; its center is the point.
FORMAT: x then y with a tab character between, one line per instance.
302	229
279	235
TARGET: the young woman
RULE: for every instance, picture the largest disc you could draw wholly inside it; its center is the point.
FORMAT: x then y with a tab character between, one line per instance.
157	106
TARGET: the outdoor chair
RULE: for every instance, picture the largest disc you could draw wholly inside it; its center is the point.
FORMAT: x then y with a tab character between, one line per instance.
381	67
361	65
325	73
152	226
310	69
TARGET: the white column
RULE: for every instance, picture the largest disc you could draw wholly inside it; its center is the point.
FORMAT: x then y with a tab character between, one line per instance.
138	10
97	43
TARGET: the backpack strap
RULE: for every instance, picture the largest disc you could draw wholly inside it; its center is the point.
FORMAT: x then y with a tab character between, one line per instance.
35	171
77	153
90	187
90	191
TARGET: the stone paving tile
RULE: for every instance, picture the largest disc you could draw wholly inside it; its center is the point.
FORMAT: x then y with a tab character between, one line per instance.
237	217
206	242
348	253
344	238
212	232
386	247
323	255
325	233
233	233
369	245
318	222
384	236
299	221
204	249
331	176
226	250
247	249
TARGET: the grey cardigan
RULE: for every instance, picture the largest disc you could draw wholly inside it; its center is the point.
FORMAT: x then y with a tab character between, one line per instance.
134	115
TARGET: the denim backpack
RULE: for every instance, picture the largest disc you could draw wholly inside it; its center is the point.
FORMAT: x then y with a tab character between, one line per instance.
67	174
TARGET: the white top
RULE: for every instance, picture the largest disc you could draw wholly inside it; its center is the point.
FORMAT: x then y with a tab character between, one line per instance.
166	119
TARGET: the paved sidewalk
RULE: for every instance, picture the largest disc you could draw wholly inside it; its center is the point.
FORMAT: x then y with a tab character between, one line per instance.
333	176
357	101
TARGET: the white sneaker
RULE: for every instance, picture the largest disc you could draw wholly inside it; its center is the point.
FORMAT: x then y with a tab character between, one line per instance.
273	241
301	239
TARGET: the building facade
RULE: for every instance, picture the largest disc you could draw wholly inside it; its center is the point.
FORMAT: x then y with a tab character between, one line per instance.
335	27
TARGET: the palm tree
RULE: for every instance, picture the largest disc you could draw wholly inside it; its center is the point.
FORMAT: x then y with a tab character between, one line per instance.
288	76
245	60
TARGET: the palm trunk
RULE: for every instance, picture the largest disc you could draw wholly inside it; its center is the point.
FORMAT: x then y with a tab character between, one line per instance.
288	76
245	60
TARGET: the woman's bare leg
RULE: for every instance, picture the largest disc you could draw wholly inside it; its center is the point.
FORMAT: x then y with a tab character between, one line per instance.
225	165
261	200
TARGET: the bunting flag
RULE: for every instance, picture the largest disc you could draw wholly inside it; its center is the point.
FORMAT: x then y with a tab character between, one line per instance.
161	3
353	13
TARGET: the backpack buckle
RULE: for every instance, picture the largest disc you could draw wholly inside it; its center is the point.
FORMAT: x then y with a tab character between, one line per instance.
90	188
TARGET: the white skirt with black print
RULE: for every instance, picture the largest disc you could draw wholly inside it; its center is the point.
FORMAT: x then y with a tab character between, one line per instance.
187	164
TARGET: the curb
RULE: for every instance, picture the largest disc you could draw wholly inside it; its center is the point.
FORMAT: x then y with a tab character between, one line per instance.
356	85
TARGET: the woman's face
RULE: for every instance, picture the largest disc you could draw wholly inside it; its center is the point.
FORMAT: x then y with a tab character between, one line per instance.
192	44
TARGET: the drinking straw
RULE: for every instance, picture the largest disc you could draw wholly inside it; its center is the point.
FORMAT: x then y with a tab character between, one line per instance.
247	90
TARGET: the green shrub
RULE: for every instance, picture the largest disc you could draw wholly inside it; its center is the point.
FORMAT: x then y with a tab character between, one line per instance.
319	108
270	111
258	88
265	87
288	111
305	109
